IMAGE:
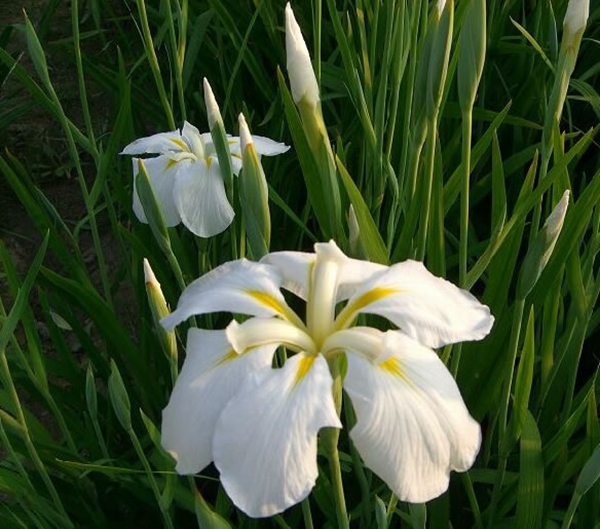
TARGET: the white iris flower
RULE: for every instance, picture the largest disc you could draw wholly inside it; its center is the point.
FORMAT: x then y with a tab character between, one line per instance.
186	177
259	424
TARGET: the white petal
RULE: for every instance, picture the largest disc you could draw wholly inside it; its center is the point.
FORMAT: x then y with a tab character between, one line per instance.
238	286
268	147
265	443
429	309
412	425
295	268
161	173
211	375
200	198
160	143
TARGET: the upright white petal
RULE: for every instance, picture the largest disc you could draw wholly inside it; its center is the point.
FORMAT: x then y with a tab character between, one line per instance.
265	443
160	143
296	269
201	200
211	375
412	425
238	286
161	173
192	137
302	77
427	308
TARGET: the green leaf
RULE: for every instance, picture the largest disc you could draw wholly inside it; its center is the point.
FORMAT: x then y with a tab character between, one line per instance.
369	234
206	517
530	498
119	398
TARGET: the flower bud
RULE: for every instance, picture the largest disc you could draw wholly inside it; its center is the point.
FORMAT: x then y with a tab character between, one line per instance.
575	21
159	309
212	108
542	247
302	77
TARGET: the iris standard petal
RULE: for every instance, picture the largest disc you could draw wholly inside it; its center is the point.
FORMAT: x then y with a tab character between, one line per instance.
268	147
412	425
427	308
161	173
240	286
160	143
199	195
211	375
265	443
295	269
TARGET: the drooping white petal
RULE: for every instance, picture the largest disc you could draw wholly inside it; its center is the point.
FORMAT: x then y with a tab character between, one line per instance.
238	286
199	195
211	375
412	426
160	143
427	308
265	443
268	147
161	173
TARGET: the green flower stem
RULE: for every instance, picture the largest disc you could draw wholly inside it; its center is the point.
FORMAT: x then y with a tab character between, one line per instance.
140	452
308	522
467	129
178	56
427	187
153	60
330	439
391	508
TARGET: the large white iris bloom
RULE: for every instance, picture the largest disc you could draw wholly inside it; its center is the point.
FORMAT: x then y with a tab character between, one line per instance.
259	425
187	179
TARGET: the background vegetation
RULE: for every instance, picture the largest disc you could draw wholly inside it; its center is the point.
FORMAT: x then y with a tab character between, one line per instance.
83	375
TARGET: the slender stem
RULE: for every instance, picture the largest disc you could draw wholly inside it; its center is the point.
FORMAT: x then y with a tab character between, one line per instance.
308	522
153	60
467	124
427	187
140	452
391	508
330	441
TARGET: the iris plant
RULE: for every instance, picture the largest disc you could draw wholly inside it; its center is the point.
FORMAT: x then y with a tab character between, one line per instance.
259	424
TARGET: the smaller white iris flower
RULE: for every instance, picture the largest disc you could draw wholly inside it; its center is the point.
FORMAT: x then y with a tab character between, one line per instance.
187	179
259	424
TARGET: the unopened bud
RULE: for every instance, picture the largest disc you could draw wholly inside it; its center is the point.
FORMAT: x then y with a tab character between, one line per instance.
575	21
542	247
212	108
300	71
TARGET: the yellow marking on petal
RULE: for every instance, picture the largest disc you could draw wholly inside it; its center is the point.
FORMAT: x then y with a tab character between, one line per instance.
171	163
227	357
392	366
275	305
364	300
304	366
208	161
180	143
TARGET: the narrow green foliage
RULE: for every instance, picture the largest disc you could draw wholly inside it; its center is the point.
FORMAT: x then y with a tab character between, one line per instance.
531	476
119	397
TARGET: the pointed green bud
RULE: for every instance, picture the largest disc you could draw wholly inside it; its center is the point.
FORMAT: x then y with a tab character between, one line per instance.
356	246
472	53
254	195
118	397
159	309
542	247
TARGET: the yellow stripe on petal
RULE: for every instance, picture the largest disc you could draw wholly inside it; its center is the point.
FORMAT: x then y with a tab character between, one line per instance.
226	358
392	366
180	143
304	365
364	300
171	163
275	305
